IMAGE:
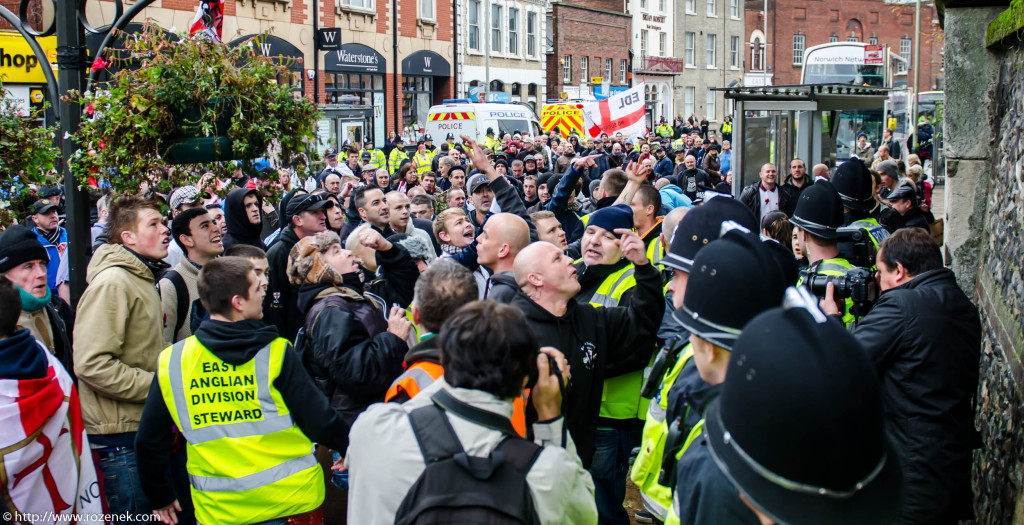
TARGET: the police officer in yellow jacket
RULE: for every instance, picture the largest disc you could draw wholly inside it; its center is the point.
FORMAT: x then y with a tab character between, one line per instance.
397	155
422	158
654	468
818	216
376	159
247	409
854	184
737	264
489	141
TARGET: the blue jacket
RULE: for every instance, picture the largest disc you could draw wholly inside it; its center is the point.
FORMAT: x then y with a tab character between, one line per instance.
663	168
673	197
725	160
55	252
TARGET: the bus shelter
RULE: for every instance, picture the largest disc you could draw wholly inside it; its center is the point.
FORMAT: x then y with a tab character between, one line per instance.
779	123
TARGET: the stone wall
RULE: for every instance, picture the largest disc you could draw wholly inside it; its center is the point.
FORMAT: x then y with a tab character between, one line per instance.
984	127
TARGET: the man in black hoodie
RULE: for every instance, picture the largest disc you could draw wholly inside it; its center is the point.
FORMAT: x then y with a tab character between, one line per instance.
271	395
242	216
502	237
598	342
305	216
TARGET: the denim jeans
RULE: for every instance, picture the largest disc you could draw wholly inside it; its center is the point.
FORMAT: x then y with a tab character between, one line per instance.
121	482
609	469
339	479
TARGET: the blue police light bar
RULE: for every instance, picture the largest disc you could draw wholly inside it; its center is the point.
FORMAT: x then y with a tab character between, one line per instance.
456	101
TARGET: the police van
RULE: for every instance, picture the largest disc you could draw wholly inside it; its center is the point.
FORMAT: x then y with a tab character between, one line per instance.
462	117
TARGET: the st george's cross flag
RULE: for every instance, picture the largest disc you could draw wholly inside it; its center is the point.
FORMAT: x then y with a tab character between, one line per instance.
620	113
44	451
209	19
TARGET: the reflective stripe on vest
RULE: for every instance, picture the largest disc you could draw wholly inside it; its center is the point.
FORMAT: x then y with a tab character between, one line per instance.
423	162
673	514
835	267
244	464
395	160
620	396
415	379
654	251
271	421
877	233
647	465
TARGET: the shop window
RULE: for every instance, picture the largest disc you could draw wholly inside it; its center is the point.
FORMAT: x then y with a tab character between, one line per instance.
417	97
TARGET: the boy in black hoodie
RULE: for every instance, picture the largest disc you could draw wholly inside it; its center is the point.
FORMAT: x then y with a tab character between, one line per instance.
245	406
242	216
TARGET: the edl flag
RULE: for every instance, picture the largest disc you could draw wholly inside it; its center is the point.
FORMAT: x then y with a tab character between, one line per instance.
621	113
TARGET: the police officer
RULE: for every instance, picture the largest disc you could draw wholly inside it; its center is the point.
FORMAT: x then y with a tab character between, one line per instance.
663	128
428	142
397	156
450	139
737	264
855	186
695	230
818	216
793	369
376	156
421	160
489	141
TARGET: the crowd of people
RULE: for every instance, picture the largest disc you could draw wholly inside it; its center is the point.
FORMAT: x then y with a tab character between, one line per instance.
495	332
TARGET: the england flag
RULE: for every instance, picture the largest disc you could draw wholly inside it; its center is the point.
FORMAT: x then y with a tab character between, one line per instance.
622	112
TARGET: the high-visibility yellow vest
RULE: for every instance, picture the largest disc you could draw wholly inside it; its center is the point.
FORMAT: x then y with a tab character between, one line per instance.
422	162
489	142
726	127
834	267
695	432
247	461
620	396
655	252
664	130
877	233
395	160
647	466
376	157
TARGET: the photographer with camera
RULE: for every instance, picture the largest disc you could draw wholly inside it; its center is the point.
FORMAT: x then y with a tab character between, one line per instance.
450	454
817	219
924	336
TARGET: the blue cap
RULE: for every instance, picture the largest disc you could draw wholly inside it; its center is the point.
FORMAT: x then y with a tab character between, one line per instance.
612	218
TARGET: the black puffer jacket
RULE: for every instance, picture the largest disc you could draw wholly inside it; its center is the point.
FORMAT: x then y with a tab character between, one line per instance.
279	305
348	350
240	230
925	339
598	343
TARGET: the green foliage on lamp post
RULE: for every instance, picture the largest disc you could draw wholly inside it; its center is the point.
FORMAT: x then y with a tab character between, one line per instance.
27	154
189	101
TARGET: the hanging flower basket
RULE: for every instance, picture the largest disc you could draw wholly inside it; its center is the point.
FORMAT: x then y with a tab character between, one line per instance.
189	101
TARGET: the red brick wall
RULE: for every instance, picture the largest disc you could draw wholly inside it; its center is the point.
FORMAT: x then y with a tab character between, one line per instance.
586	32
819	20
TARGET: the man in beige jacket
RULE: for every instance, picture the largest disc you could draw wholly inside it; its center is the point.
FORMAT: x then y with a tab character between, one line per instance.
117	341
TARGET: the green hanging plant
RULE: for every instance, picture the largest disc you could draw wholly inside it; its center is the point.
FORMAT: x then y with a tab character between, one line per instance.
27	154
183	102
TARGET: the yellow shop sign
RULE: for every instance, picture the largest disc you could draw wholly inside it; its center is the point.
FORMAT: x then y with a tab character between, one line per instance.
18	64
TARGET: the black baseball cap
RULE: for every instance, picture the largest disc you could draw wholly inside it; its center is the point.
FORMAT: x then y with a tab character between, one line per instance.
42	206
306	202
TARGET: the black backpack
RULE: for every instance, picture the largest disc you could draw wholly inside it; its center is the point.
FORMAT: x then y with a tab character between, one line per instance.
458	488
188	309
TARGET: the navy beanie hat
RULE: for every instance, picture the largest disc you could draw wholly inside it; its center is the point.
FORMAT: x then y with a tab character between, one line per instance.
612	218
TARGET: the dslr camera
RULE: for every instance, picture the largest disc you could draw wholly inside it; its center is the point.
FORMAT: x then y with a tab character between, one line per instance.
856	245
858	284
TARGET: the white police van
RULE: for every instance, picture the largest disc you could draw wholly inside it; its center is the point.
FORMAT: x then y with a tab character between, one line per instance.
473	119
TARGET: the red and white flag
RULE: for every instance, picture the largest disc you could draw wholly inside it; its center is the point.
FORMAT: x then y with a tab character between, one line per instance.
46	456
209	19
620	113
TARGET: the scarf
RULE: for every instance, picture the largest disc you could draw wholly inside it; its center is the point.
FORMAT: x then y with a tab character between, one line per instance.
53	237
31	303
450	250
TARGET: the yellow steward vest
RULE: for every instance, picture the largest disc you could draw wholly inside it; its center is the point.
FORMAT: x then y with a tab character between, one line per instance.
247	461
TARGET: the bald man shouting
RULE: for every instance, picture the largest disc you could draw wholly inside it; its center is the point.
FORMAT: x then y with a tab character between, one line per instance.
599	342
503	236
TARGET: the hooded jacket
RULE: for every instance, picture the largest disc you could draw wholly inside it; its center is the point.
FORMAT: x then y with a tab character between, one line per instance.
354	363
235	344
598	343
280	304
118	336
502	287
924	337
240	230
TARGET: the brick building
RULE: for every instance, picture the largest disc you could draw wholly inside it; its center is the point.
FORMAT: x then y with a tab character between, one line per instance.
512	34
592	40
377	81
708	41
795	25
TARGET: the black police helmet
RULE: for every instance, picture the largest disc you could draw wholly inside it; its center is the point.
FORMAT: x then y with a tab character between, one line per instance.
798	427
854	183
819	210
702	225
737	265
